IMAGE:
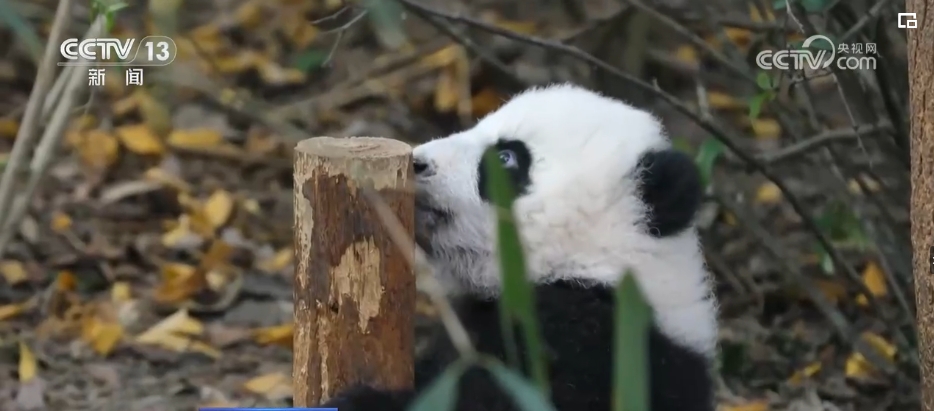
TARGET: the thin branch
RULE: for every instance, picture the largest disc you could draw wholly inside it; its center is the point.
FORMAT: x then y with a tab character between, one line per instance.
50	141
30	122
452	324
867	18
828	137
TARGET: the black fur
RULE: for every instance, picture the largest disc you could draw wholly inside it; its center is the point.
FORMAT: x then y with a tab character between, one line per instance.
672	189
518	176
577	326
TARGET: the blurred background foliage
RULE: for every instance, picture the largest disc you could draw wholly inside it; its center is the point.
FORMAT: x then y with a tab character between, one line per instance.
146	232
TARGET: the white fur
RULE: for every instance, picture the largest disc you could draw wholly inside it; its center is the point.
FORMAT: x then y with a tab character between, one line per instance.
580	219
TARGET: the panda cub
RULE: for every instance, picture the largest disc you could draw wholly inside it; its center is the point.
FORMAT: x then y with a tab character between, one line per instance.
600	190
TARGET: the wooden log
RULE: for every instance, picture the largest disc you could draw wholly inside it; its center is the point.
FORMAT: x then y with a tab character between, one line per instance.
921	102
354	288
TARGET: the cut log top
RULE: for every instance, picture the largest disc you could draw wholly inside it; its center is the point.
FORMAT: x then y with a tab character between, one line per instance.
353	147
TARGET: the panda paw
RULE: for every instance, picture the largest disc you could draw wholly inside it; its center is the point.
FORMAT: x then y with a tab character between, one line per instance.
364	398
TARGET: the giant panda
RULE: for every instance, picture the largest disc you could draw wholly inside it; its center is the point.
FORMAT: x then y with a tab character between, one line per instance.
599	190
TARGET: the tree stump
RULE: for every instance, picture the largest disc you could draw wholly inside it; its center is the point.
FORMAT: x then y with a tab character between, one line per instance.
921	81
354	288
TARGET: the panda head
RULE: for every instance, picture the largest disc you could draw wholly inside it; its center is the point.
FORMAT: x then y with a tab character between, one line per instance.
599	190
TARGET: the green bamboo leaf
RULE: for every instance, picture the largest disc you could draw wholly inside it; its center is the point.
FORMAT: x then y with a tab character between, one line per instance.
310	60
631	344
764	81
810	6
524	394
755	104
441	394
517	299
386	19
707	155
22	29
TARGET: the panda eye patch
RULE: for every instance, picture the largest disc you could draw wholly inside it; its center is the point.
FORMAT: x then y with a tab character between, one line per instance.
508	158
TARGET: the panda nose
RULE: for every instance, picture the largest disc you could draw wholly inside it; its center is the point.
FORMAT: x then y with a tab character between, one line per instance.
422	167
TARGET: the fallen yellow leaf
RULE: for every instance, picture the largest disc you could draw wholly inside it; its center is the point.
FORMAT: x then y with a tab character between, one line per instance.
182	343
14	272
756	16
101	335
98	149
27	363
237	63
749	406
180	233
768	193
84	122
159	175
274	74
251	205
729	219
174	333
8	128
125	106
249	15
874	279
447	90
834	291
217	256
179	282
219	404
272	385
871	184
61	222
140	139
486	101
522	27
301	32
766	129
199	221
120	292
739	36
887	349
857	366
804	373
11	310
722	101
208	37
154	113
66	281
687	54
278	334
443	57
178	323
218	208
278	262
198	138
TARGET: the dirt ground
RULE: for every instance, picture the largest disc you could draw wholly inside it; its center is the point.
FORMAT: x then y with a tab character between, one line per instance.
153	267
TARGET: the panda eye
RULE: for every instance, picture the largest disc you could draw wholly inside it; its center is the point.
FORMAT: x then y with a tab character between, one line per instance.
508	158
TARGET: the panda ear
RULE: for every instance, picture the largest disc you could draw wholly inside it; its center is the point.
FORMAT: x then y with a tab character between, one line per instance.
670	186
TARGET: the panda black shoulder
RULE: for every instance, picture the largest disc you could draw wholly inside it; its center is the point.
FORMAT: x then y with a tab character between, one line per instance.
577	325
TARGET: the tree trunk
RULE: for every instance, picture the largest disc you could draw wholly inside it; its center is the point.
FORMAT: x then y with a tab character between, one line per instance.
354	288
921	80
